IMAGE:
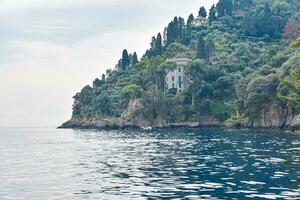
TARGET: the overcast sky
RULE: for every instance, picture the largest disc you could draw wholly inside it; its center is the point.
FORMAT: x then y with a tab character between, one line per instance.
50	49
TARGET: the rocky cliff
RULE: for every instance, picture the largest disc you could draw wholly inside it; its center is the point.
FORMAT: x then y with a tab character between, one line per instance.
131	119
275	117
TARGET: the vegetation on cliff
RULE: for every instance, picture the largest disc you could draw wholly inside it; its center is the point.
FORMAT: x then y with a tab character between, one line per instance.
242	62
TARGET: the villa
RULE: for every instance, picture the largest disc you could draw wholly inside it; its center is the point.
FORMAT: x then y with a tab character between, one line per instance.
199	21
176	79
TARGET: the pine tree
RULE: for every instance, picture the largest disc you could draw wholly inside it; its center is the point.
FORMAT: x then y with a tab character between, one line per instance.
202	12
125	60
135	59
201	49
212	13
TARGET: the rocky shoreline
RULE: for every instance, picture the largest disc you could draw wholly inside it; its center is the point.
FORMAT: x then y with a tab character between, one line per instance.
124	124
269	121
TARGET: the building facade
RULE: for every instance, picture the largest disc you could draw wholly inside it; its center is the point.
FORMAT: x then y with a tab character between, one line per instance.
199	21
176	79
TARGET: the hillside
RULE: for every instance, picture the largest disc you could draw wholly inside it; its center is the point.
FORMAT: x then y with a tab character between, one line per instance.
241	71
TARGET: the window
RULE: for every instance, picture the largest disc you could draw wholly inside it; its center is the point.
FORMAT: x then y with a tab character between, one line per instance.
179	79
179	85
179	69
173	78
173	85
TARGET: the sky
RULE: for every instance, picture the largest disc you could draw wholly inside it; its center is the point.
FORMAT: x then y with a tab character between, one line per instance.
50	49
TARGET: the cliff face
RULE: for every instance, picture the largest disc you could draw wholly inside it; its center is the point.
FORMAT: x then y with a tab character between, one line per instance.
273	118
131	119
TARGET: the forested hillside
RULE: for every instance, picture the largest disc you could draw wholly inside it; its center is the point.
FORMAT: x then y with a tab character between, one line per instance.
243	63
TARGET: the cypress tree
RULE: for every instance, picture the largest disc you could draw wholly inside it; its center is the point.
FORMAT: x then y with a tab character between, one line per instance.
188	34
170	33
125	60
220	8
267	10
212	13
228	7
135	58
201	49
181	25
103	78
158	49
189	21
202	12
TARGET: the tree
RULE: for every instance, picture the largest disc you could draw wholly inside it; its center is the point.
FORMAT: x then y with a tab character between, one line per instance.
292	93
98	83
202	12
224	7
188	35
132	91
196	71
158	48
176	49
135	59
103	104
220	8
228	7
175	31
296	43
103	78
212	13
201	49
125	62
261	92
210	46
291	30
190	20
262	22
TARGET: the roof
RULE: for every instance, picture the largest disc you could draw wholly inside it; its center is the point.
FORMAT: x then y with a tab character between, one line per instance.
179	61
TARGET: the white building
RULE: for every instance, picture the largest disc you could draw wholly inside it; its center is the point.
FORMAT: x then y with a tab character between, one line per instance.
176	79
199	21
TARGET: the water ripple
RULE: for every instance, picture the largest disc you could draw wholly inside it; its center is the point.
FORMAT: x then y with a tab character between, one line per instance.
170	164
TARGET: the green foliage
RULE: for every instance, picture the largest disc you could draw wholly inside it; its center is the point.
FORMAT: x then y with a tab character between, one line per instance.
296	43
236	64
201	49
261	92
177	50
135	59
290	91
263	21
212	13
125	60
202	12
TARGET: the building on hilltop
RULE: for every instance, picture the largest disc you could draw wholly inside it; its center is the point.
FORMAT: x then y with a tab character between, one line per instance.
176	80
199	21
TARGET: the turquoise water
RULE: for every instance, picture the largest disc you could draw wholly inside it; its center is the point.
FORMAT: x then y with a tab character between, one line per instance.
45	163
